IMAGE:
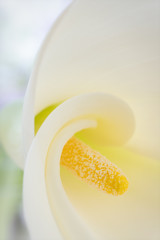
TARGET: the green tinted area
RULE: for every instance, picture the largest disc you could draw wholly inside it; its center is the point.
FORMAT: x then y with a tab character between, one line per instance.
112	152
141	171
85	135
40	117
10	193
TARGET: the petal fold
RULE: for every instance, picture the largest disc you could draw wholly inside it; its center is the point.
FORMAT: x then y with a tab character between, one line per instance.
45	201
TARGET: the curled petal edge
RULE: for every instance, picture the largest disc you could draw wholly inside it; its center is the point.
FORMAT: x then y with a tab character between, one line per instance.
47	209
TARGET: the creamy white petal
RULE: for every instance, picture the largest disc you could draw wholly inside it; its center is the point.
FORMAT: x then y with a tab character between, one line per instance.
45	202
109	46
60	221
134	215
29	113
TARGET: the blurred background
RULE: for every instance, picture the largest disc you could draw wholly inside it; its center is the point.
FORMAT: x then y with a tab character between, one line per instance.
23	26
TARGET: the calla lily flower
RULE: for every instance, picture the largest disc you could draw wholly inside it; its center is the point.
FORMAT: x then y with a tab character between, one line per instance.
96	77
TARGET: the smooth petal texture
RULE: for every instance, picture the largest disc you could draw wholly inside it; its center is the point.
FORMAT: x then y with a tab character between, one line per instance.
134	215
112	48
45	202
43	222
104	46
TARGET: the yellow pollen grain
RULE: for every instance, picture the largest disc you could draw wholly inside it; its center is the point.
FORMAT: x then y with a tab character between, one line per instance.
93	168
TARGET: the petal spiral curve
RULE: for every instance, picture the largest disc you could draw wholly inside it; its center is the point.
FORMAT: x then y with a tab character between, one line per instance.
45	200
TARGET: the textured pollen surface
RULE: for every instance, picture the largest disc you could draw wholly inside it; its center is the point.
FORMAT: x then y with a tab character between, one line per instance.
93	168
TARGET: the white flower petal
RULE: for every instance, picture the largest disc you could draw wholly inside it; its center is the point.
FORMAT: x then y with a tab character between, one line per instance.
110	47
104	46
134	215
44	199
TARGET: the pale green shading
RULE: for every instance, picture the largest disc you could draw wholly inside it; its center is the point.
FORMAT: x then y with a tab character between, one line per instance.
10	193
40	117
11	131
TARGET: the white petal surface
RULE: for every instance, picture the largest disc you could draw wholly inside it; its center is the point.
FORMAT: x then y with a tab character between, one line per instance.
109	46
46	205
